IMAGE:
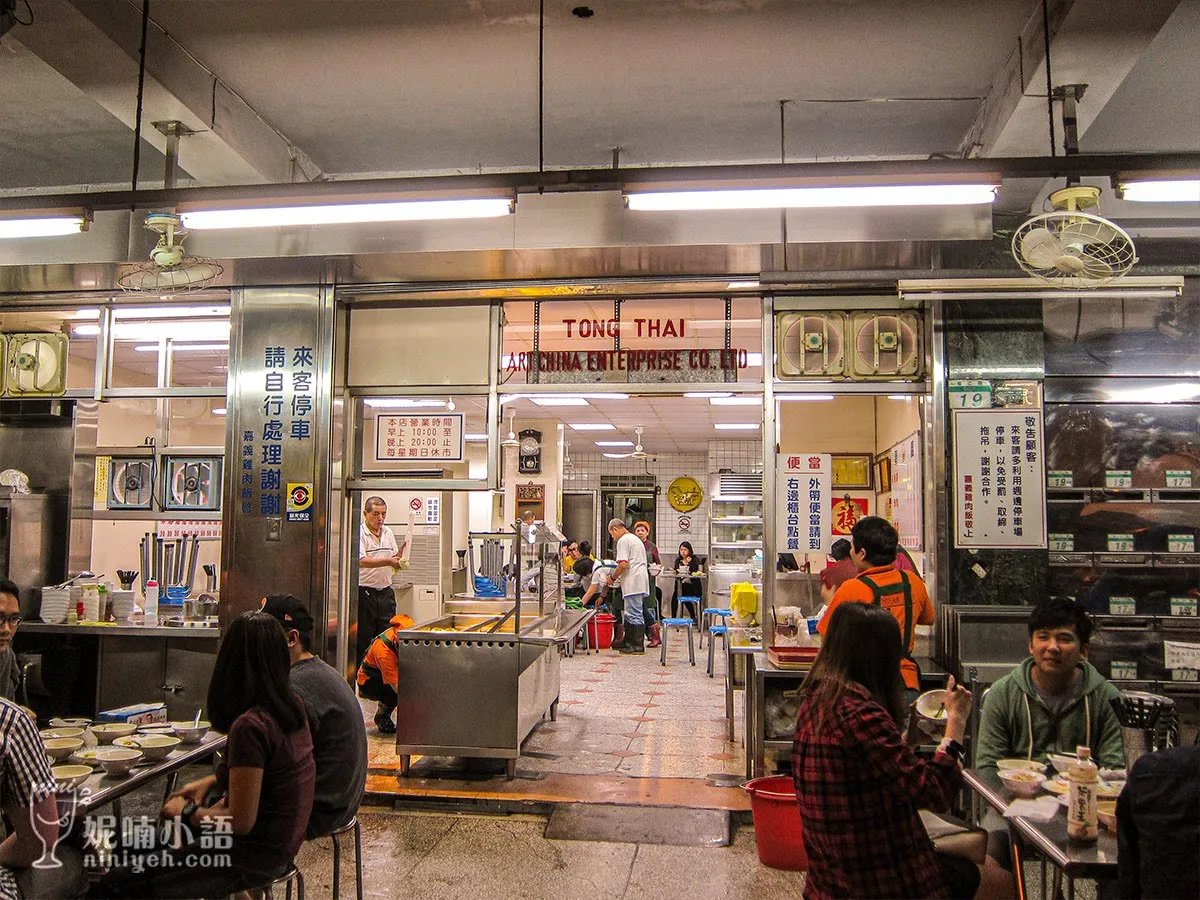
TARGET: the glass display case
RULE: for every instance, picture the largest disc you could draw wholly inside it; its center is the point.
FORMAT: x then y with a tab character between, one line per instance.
735	524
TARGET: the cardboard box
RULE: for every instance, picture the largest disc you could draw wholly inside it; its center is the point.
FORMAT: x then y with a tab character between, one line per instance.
138	714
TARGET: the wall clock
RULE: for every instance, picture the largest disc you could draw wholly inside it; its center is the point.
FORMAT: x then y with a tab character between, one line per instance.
529	452
684	494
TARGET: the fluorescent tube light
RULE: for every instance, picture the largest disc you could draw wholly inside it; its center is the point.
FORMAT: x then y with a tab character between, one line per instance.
48	226
812	197
616	456
91	314
219	411
754	359
207	330
900	396
85	330
594	426
1183	190
559	401
735	285
171	312
614	443
349	213
706	395
735	401
808	397
178	346
475	437
736	426
403	403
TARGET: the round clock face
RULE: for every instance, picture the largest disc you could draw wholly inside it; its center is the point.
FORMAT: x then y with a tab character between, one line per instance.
529	445
684	494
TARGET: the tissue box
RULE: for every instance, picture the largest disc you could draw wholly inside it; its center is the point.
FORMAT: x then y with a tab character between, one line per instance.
138	714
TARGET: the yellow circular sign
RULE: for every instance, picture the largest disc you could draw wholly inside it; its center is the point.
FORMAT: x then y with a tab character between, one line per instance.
684	494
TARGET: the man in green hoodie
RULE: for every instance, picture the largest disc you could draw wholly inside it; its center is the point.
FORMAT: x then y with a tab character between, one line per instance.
1055	701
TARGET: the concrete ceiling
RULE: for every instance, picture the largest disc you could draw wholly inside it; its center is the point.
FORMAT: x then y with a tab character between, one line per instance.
286	90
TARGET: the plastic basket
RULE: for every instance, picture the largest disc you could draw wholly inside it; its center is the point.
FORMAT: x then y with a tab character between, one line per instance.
777	829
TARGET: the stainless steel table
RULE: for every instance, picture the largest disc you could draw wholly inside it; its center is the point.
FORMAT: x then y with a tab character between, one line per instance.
739	647
756	736
1098	860
100	789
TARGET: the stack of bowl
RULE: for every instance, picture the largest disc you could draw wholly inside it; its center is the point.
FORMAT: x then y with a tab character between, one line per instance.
56	603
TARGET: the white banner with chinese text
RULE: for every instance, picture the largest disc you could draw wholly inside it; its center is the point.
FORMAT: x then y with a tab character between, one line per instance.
803	509
999	479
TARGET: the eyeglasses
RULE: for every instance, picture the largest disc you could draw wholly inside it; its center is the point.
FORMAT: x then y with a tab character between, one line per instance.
572	549
13	620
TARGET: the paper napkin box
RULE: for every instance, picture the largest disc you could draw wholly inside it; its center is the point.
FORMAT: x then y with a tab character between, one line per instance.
138	714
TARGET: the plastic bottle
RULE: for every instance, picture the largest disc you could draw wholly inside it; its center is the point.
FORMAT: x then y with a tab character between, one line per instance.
1083	779
152	603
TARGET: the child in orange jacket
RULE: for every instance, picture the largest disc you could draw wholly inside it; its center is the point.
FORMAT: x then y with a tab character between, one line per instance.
379	673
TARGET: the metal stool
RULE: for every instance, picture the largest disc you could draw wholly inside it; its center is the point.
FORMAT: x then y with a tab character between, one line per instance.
667	625
290	874
707	615
352	825
713	632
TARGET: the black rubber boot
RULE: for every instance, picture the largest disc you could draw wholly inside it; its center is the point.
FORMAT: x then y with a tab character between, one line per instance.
618	636
635	639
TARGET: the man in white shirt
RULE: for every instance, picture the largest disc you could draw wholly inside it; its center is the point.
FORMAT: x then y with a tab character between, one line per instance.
634	577
378	558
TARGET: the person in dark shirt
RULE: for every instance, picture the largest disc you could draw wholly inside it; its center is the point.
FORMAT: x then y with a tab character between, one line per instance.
263	792
1158	827
841	569
334	718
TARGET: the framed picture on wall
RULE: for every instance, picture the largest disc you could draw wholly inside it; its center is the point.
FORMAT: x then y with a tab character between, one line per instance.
851	470
883	475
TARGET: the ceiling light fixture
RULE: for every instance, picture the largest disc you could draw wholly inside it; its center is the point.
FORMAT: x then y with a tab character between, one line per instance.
736	426
45	226
735	401
808	397
219	411
774	194
475	437
593	426
179	346
559	401
1181	190
85	330
706	395
402	403
351	213
614	443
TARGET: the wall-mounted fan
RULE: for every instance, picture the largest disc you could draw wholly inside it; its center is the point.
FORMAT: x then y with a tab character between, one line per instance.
169	269
130	483
1072	249
637	452
35	365
812	344
193	482
885	345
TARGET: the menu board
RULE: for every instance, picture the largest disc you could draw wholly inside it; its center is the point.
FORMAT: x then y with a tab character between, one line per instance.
999	479
804	518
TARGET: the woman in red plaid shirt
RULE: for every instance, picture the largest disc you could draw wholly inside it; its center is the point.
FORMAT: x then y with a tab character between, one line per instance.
860	785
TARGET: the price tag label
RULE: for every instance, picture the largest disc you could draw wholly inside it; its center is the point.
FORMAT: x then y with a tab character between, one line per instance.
1179	478
1120	543
1122	606
1185	674
1183	606
1060	478
1118	478
1063	543
1124	670
1181	543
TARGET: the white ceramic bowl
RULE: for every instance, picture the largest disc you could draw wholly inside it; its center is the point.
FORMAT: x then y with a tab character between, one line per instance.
190	732
1027	765
1022	782
86	756
62	732
61	748
68	777
931	713
118	761
70	723
156	728
1060	761
106	732
154	746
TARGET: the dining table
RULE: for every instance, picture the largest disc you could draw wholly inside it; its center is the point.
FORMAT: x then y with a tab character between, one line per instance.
1074	860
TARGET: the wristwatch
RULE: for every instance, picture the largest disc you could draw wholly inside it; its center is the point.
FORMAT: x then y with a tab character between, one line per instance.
952	748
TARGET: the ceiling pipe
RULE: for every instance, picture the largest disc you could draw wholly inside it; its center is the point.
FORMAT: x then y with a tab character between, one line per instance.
890	171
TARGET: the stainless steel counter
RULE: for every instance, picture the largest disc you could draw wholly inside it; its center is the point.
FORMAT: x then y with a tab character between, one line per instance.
119	630
475	682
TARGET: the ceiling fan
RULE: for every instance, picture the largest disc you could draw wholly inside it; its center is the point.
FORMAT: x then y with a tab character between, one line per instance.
638	452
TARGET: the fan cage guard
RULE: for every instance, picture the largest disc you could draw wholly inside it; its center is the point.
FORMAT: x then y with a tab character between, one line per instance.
1117	257
192	274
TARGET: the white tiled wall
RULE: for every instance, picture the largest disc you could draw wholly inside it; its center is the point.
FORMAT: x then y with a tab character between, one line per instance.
735	456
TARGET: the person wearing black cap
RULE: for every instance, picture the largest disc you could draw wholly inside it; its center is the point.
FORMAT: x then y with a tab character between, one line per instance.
335	719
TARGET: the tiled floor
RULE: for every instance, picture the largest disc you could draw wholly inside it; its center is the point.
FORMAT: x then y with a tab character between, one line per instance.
618	715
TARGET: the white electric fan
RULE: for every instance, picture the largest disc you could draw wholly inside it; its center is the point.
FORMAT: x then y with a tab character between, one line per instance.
1072	249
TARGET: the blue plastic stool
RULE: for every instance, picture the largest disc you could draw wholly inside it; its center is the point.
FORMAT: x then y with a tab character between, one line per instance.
708	615
667	625
695	602
713	632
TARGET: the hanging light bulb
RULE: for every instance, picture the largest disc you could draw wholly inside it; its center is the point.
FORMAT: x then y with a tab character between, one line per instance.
511	440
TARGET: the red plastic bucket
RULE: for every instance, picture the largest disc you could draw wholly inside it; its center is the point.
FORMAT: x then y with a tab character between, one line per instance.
777	828
600	631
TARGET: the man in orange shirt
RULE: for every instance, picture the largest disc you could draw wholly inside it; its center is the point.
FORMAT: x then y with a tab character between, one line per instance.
379	674
874	543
